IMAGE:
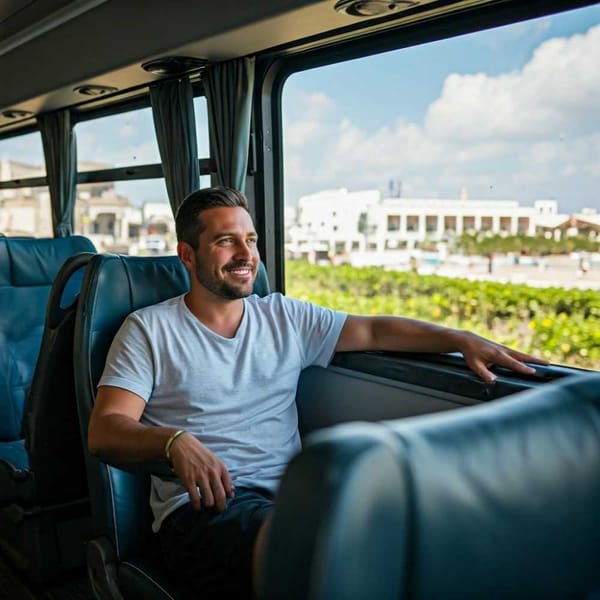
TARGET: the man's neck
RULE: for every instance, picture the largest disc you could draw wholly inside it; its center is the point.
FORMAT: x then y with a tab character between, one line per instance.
221	315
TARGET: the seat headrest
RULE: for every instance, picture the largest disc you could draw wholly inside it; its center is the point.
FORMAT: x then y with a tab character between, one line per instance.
506	495
26	262
261	283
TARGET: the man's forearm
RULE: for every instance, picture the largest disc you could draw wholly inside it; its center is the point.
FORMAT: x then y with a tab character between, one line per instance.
411	335
120	438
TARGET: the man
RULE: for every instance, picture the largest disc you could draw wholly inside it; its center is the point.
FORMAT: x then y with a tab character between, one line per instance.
207	381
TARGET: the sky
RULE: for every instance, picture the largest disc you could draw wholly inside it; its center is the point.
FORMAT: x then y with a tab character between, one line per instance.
511	113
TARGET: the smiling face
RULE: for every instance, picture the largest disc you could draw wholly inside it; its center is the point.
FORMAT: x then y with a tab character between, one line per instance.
226	260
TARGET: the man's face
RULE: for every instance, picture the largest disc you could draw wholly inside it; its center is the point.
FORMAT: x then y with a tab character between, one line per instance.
226	261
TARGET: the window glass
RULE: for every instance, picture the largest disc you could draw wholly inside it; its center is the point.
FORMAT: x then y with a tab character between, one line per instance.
122	216
22	157
462	177
25	211
121	140
130	217
201	114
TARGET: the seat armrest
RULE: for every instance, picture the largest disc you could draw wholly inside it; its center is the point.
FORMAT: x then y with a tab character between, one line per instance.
15	483
150	467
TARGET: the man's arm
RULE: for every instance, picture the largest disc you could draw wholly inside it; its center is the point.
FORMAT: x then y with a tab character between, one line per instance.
410	335
115	433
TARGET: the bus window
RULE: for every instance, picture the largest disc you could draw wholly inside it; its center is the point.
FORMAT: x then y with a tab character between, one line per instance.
22	157
455	181
121	140
129	217
24	203
121	199
132	215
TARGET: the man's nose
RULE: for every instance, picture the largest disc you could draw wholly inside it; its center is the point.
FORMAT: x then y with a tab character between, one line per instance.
243	250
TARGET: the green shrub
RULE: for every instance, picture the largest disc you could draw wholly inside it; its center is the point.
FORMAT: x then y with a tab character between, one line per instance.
561	325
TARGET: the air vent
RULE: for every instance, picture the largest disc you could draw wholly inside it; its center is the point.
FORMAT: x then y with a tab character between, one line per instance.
95	90
15	113
373	8
174	65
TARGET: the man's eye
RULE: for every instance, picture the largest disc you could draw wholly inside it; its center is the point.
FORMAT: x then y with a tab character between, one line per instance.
225	241
252	241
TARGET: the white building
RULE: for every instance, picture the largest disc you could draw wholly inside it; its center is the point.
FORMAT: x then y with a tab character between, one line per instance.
107	218
331	221
334	223
406	222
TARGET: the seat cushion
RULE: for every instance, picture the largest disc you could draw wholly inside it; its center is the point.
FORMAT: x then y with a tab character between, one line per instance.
15	454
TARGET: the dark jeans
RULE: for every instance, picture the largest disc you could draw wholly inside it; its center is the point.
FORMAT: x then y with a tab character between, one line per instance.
211	552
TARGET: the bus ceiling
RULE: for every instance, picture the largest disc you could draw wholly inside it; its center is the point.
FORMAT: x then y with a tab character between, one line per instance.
77	53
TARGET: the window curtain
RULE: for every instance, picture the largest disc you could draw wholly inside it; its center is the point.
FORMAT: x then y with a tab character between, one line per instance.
228	87
60	152
173	114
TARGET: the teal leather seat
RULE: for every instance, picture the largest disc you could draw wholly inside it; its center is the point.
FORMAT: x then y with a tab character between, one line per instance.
123	557
44	505
498	501
28	267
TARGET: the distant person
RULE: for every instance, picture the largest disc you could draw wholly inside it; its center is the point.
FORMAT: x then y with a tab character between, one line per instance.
490	262
543	262
414	264
584	265
207	381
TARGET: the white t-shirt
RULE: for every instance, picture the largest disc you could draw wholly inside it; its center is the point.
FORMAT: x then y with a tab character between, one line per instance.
236	395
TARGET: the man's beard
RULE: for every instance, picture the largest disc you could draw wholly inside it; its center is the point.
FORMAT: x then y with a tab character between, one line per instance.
222	288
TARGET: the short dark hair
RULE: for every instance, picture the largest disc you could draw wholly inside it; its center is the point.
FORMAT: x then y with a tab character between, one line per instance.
188	224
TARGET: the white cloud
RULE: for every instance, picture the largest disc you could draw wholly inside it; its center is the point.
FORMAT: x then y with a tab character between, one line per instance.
518	135
559	88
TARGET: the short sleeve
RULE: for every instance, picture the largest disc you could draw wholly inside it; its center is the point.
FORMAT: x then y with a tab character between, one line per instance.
129	363
318	330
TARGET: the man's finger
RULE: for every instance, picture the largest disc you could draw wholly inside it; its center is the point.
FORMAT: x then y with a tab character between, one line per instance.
220	495
478	367
207	496
227	483
192	490
528	358
516	365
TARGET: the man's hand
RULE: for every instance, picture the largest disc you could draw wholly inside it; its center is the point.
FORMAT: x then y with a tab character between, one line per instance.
481	354
197	467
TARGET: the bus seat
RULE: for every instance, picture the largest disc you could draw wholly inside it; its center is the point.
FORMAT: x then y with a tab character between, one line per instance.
123	556
28	267
498	501
43	487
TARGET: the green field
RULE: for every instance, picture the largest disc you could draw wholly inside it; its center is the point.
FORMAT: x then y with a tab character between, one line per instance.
561	325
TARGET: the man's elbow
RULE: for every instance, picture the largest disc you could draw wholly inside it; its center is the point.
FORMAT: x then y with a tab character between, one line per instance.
93	444
95	441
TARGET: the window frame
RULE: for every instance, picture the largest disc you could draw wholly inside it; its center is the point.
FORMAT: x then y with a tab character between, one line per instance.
273	68
125	173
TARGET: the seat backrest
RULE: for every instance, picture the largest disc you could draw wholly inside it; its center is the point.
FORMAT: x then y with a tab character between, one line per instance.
52	434
115	286
494	501
511	492
28	267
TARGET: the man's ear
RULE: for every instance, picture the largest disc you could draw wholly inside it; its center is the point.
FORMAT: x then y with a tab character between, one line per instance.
186	254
